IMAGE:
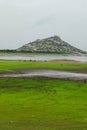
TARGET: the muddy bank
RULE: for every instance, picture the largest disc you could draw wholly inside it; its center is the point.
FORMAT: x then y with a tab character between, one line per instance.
55	74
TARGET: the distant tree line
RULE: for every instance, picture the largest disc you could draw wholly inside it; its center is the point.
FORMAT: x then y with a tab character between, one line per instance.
7	51
41	52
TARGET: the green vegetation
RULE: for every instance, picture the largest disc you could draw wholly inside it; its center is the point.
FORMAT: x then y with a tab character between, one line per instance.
35	52
11	66
8	51
44	52
42	104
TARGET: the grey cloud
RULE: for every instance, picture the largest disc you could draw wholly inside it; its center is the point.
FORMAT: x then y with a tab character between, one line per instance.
44	21
22	21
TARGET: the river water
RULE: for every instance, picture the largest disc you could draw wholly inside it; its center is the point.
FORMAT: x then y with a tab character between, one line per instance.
43	57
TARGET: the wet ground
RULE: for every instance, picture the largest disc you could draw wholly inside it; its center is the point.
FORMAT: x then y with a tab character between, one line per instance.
49	74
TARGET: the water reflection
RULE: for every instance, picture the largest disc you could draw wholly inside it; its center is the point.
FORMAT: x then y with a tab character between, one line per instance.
45	57
49	73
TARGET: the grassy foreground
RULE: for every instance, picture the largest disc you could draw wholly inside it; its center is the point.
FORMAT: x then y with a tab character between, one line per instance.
11	66
42	104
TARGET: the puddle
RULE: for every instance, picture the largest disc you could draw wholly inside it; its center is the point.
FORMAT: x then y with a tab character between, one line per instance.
48	73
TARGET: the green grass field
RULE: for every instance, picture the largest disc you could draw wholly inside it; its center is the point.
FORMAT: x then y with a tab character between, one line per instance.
11	66
42	104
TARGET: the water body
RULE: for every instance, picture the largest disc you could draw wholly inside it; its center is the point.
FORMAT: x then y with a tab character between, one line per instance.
50	74
44	57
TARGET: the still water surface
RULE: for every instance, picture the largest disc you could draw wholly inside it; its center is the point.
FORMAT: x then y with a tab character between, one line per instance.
50	74
44	57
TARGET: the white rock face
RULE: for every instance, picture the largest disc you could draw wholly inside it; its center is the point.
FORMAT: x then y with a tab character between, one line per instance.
50	45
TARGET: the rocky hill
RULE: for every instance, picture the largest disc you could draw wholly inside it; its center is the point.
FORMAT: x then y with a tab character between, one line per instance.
51	45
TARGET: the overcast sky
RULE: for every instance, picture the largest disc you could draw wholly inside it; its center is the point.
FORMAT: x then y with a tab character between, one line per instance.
22	21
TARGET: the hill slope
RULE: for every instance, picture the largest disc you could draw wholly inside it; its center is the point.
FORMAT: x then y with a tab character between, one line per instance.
50	45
